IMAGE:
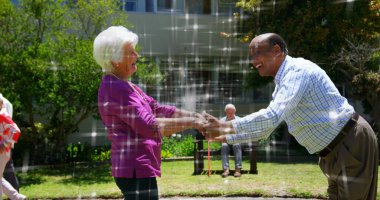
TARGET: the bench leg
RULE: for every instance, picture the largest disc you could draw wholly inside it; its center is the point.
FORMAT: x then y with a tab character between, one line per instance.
198	163
198	158
253	161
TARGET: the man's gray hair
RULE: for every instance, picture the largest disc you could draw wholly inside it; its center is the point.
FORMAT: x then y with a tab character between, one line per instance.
230	106
108	45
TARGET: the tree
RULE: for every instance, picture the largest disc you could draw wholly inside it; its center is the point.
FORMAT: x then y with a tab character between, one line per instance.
318	30
361	63
47	68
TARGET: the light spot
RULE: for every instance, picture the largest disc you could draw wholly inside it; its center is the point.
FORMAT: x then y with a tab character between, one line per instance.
93	194
333	115
93	134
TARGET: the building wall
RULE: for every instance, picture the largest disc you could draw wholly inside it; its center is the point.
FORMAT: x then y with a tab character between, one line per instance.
205	65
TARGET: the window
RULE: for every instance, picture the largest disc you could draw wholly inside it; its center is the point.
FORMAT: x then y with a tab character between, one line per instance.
198	6
164	5
227	7
170	5
149	5
129	5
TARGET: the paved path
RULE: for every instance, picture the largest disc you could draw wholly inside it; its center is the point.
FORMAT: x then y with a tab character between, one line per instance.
230	198
223	198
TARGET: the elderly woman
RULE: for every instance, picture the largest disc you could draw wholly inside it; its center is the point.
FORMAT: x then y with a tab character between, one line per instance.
135	122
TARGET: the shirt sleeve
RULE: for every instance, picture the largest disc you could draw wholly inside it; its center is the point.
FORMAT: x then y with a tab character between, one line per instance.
164	111
286	97
128	107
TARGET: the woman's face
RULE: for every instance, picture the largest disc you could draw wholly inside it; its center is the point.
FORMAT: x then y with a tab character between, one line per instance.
127	64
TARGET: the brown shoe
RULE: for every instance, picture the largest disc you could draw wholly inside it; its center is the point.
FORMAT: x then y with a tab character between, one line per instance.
226	173
237	173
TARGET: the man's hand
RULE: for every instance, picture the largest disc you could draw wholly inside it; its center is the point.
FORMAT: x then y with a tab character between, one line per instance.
213	121
200	122
221	139
215	127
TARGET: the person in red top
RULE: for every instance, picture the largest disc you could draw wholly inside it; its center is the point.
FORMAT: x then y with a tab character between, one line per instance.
9	134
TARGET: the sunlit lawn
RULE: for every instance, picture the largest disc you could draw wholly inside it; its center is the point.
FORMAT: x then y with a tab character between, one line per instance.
274	179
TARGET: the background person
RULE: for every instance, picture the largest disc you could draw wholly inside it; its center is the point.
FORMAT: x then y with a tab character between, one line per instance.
9	133
317	116
230	115
9	171
135	122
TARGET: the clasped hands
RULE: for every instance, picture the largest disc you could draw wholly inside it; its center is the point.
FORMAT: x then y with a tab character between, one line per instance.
211	127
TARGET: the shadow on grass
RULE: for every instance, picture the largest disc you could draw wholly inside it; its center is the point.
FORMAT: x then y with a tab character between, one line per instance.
283	154
30	179
68	174
89	174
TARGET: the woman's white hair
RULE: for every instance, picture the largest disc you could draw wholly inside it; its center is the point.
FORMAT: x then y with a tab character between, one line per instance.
108	45
230	106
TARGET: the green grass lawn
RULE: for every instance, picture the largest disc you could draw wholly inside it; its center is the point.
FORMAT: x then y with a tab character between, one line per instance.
274	179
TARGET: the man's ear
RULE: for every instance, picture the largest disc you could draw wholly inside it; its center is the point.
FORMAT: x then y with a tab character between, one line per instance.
277	49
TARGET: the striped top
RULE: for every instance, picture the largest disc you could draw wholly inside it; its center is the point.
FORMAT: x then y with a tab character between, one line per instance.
307	100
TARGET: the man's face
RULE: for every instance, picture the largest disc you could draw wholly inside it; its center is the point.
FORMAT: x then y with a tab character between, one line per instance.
262	58
230	113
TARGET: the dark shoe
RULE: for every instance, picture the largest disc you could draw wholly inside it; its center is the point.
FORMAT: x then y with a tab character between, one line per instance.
237	173
225	173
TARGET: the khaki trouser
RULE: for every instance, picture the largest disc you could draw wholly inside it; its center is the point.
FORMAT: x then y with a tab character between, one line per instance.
351	168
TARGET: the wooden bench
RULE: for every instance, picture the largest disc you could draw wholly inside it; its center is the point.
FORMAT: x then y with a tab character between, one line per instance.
200	154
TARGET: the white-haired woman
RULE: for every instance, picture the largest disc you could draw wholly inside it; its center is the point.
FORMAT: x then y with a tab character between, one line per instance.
135	122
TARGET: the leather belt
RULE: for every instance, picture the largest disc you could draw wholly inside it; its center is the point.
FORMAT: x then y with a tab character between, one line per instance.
345	130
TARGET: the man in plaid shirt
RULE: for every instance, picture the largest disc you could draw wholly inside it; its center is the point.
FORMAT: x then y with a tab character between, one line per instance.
317	116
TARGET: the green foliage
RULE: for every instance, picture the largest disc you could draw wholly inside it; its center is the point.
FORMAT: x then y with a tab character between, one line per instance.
177	146
341	37
101	154
248	4
213	145
366	84
148	71
314	35
85	153
166	154
47	68
185	147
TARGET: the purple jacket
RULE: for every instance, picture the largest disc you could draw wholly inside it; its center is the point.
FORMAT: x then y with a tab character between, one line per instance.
129	116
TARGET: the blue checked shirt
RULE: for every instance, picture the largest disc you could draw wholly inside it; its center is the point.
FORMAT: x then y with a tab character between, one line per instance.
306	99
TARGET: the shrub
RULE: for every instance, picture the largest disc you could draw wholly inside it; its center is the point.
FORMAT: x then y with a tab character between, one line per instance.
177	145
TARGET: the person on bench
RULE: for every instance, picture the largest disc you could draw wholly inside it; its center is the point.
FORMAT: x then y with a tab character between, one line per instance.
230	115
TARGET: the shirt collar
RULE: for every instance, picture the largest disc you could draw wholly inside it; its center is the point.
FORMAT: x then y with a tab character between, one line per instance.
280	72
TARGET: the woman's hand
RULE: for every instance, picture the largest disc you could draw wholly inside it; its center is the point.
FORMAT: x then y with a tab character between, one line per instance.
3	147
